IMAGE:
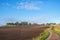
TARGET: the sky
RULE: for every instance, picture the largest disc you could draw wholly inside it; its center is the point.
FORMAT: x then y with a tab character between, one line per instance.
33	11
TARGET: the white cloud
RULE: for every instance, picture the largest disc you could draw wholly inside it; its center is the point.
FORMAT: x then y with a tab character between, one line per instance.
37	19
29	6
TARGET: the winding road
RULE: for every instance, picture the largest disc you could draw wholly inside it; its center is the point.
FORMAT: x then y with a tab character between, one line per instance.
53	35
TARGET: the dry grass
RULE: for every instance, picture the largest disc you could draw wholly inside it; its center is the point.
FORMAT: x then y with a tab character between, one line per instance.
57	26
57	29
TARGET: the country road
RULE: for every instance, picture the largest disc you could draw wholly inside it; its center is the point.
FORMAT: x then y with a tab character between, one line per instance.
53	36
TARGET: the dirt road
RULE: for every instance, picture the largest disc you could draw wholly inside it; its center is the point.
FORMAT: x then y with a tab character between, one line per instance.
53	36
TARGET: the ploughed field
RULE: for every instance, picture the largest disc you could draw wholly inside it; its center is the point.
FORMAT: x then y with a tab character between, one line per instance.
21	32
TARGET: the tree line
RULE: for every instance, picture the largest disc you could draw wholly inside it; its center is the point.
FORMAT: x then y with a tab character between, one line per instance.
26	23
21	23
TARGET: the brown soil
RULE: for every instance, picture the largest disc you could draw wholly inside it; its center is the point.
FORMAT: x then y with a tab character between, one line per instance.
20	32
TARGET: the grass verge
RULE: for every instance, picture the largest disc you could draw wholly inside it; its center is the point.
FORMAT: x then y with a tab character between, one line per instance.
42	36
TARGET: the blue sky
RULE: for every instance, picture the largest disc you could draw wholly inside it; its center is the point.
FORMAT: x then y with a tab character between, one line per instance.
34	11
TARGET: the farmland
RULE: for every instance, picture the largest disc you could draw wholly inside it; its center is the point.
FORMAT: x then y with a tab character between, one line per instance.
21	32
57	29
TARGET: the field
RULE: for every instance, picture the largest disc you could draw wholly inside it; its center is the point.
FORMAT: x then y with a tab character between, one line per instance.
42	36
57	26
21	32
57	29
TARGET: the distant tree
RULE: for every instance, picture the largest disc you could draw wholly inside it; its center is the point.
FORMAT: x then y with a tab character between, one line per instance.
51	24
10	23
54	23
35	24
30	24
59	23
43	24
47	23
17	23
24	23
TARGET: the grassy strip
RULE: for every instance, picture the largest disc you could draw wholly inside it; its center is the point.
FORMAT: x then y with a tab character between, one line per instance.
42	36
56	31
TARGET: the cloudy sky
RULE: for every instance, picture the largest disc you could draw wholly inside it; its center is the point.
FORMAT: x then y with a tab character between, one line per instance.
34	11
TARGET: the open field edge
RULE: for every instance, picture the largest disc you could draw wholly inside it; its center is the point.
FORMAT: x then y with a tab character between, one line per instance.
56	31
42	36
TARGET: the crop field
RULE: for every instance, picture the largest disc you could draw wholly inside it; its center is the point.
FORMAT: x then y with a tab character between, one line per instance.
21	32
57	26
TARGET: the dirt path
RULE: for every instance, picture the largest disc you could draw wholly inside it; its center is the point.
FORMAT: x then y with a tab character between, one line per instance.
53	36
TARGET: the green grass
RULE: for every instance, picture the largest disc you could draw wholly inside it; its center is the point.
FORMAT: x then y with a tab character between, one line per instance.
56	31
42	36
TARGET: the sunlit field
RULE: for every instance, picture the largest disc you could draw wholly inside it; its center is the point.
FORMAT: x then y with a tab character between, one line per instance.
29	19
21	32
57	29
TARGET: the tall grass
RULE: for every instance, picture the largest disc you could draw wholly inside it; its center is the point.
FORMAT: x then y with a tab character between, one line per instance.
42	36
